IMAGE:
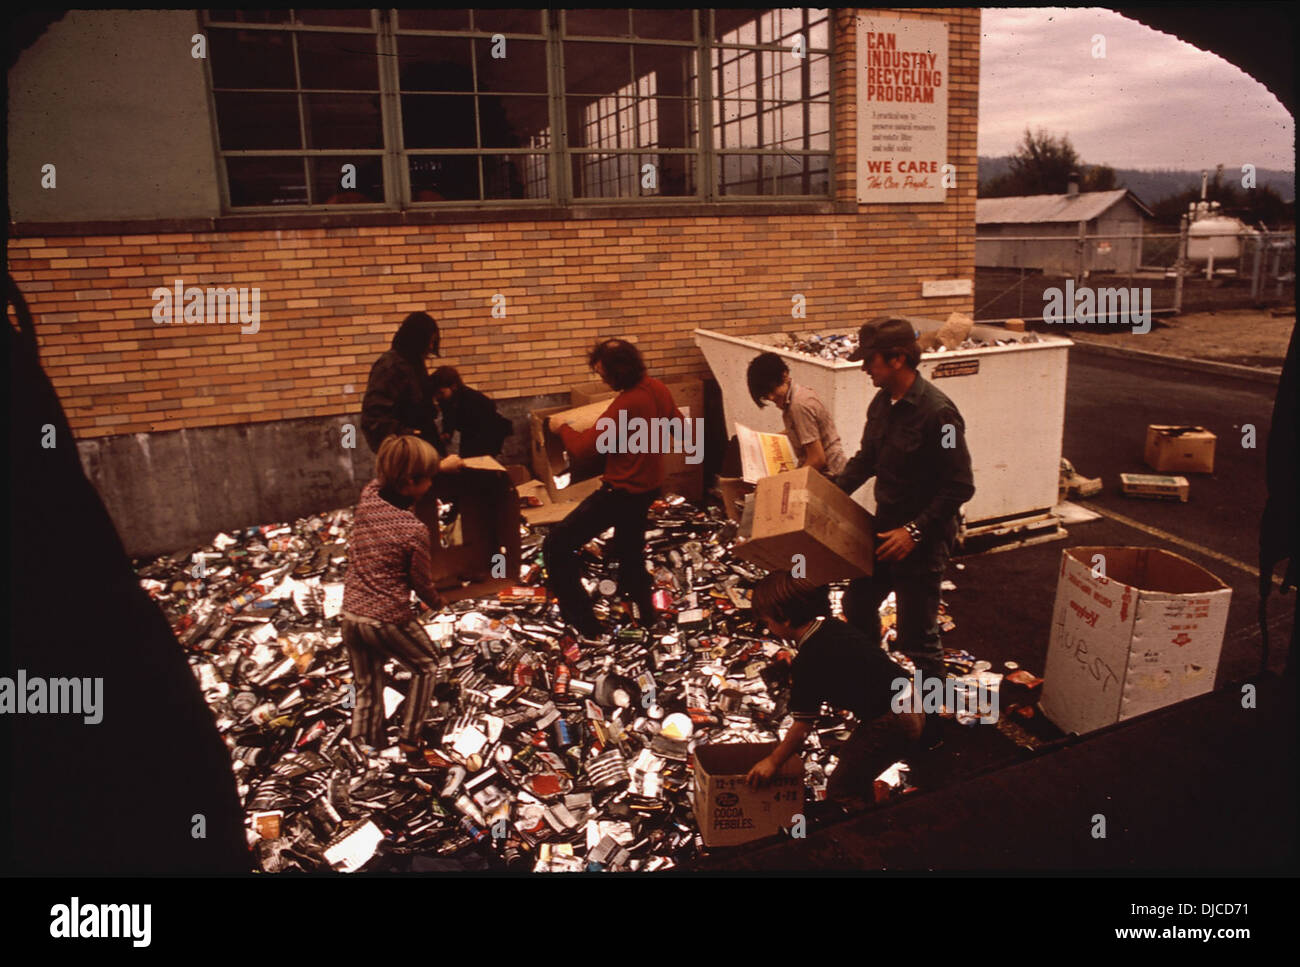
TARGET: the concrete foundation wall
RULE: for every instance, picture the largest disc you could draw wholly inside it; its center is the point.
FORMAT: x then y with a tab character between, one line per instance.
176	490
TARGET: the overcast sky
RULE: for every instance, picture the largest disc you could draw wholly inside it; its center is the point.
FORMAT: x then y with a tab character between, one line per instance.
1154	101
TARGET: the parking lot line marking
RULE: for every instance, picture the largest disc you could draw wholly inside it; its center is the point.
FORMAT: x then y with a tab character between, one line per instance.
1166	536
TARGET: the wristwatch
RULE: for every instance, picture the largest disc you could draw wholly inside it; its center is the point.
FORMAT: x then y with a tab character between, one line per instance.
913	532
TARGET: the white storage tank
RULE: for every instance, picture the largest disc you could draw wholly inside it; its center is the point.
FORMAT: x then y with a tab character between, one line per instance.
1215	236
1012	398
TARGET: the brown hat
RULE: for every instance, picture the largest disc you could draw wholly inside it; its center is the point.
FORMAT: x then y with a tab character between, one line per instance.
883	334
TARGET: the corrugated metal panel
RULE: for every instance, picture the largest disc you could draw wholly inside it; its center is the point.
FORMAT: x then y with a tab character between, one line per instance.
1022	209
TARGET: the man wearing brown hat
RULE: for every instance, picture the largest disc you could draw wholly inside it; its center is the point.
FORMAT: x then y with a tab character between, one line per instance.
914	444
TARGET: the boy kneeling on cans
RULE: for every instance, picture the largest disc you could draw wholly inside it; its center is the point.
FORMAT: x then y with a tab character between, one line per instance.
838	665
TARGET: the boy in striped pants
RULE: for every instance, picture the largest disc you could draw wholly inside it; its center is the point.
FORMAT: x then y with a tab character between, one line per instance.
388	557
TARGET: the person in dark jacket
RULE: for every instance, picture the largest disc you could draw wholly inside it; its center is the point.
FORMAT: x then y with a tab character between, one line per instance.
838	665
399	397
914	444
482	429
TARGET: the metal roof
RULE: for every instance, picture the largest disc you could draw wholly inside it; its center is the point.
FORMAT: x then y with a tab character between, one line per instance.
1083	207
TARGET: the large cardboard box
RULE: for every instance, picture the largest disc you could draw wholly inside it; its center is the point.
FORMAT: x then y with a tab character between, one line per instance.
1133	629
802	512
590	400
467	565
1179	449
727	810
680	477
550	460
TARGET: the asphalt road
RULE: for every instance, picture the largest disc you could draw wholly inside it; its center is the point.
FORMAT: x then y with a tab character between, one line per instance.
1003	601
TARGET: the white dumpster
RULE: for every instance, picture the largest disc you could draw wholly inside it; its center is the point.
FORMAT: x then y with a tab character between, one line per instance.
1012	398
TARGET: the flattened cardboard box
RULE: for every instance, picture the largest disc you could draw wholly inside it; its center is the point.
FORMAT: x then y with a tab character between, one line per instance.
1179	449
1133	629
802	512
727	811
1154	486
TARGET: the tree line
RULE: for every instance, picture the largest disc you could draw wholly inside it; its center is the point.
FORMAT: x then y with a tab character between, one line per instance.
1042	163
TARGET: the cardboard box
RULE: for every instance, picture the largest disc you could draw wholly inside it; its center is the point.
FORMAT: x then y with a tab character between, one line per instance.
727	811
549	457
488	526
680	477
1154	486
1133	629
732	491
802	512
593	392
1179	449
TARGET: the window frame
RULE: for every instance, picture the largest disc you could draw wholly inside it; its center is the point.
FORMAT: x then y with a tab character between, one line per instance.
385	28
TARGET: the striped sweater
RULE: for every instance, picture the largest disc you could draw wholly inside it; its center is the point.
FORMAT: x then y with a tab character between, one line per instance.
388	557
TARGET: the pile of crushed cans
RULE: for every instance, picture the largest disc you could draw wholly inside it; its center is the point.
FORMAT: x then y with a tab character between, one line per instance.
842	345
547	752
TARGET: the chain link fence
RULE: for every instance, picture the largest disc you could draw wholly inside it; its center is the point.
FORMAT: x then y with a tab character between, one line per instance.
1184	271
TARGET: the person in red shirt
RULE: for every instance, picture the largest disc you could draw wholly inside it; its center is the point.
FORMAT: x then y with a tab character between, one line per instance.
632	480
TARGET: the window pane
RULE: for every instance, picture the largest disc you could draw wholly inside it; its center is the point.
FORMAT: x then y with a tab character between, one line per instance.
250	16
343	121
522	70
345	62
736	124
509	21
664	24
439	121
798	174
333	18
444	178
257	122
622	175
667	66
819	74
251	58
515	176
266	181
596	68
819	36
435	64
513	122
596	23
779	174
434	19
327	180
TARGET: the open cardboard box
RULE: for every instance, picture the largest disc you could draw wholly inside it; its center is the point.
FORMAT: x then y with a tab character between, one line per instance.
1133	629
680	477
727	810
802	512
591	401
488	525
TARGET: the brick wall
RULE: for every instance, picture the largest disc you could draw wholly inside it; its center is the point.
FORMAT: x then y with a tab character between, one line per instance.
331	298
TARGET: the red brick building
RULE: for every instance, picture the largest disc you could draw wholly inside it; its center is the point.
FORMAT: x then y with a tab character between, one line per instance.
568	188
